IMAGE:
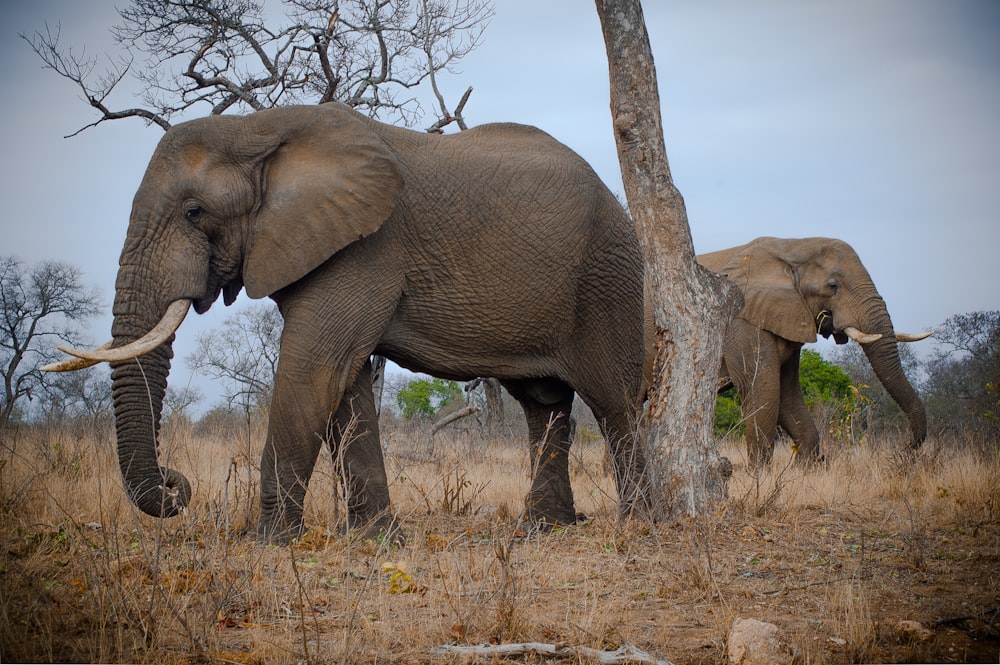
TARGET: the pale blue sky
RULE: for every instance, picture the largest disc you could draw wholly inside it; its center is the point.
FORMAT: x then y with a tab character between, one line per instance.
875	121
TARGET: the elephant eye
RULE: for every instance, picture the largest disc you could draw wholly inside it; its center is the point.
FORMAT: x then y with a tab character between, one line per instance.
832	286
193	212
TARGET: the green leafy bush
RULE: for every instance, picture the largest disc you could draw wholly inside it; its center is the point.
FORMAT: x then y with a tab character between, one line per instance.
425	398
728	414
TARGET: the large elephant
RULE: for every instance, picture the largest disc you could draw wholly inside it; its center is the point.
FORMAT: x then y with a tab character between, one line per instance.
794	289
492	252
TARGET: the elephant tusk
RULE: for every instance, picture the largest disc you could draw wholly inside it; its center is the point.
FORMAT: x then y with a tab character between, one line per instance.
861	337
171	320
73	364
910	337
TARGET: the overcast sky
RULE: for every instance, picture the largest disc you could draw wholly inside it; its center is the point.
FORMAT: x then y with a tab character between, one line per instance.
873	121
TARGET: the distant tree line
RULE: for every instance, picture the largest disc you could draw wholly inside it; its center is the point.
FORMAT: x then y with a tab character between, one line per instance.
962	386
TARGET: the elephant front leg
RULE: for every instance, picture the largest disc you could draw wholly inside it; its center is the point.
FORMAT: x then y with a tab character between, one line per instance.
755	371
357	455
762	431
283	487
300	412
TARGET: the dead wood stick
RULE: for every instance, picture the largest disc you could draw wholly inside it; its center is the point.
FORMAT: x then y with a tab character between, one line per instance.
626	653
452	417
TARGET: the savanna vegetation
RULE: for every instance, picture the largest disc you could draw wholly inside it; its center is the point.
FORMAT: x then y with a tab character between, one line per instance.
838	557
842	557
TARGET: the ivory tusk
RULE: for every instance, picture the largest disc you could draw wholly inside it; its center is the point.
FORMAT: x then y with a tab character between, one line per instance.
171	320
910	337
861	337
73	364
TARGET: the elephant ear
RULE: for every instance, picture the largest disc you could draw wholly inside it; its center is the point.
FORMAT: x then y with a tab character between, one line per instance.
770	288
329	182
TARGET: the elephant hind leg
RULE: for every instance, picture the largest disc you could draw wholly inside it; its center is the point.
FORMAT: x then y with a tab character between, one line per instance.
627	451
547	404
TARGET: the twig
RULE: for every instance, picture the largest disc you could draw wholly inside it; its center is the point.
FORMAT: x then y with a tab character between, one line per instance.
981	616
626	653
786	589
302	604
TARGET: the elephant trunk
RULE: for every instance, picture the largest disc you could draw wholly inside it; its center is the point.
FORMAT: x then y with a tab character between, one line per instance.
883	355
138	388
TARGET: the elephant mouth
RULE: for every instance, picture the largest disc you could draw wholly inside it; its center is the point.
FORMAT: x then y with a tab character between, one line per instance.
229	290
824	327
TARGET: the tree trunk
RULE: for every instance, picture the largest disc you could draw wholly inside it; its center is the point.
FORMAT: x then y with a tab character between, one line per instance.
691	306
494	404
378	381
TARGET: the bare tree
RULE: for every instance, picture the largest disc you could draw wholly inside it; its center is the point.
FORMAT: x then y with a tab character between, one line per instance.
491	400
233	56
243	354
962	389
39	307
691	306
81	395
976	334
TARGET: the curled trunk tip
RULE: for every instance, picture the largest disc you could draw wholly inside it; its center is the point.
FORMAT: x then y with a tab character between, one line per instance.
165	499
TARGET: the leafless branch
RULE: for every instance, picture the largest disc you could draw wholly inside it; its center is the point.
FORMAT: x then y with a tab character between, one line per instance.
453	416
184	54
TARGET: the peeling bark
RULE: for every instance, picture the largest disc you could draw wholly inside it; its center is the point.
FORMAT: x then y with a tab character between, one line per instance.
691	306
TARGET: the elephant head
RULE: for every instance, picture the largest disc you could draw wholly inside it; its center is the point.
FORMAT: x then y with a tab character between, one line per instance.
205	220
796	288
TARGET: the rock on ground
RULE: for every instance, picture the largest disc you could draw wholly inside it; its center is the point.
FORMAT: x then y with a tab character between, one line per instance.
753	642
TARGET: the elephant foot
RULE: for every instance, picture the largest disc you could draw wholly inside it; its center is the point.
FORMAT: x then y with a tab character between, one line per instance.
635	500
383	529
279	532
809	459
544	519
759	458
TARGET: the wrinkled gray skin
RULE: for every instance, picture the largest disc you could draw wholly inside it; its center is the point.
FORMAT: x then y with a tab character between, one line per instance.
493	252
794	288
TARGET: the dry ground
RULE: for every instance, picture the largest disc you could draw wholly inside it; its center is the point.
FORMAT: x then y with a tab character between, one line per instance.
835	556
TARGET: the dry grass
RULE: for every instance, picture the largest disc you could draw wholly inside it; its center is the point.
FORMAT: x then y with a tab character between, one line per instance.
836	556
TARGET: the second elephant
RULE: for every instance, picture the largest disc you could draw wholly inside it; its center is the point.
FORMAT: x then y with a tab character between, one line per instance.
794	289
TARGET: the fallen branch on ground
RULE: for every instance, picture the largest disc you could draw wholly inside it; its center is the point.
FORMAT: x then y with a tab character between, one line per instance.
626	653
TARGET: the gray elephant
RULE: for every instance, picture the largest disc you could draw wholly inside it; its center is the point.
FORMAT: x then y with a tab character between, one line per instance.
493	252
794	289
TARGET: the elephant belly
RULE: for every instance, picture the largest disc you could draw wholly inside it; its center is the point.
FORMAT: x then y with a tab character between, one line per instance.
464	350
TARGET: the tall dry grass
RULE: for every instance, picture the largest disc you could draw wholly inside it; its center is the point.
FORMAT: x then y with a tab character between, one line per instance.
824	552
